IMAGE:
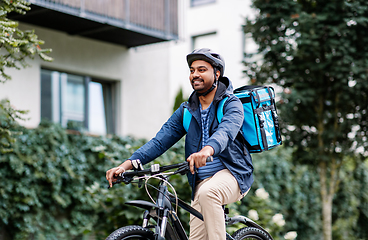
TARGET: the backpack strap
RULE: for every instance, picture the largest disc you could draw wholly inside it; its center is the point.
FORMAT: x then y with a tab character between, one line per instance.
220	109
239	136
271	92
187	118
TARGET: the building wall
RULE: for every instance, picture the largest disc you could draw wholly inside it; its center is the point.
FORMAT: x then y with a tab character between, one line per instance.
148	77
140	86
145	102
71	54
24	93
225	18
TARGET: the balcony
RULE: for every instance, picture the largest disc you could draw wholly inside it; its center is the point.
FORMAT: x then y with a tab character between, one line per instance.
128	23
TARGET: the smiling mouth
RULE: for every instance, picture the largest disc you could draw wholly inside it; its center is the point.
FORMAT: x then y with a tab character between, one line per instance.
197	80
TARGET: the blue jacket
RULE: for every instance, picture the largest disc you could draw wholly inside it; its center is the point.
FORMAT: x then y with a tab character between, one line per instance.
223	136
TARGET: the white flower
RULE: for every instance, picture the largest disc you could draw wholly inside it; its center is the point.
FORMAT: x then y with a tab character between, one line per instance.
253	214
98	148
290	235
127	146
261	193
278	219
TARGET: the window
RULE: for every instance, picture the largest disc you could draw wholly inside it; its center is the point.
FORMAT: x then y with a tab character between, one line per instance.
77	101
195	3
250	49
208	40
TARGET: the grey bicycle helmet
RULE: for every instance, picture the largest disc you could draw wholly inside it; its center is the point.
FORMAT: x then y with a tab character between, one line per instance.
207	55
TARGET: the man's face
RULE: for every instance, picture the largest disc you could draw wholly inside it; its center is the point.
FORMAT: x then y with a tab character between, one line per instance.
201	76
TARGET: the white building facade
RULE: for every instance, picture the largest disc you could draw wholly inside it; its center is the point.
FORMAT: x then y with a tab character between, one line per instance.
109	88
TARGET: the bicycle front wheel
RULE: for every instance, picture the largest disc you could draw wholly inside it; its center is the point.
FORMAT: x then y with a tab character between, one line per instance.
250	233
131	233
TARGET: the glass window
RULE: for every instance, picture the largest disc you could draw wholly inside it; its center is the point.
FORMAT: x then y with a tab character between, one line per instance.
250	49
73	101
77	101
208	40
194	3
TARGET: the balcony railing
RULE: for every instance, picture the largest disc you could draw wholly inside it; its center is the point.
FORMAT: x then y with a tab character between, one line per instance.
155	19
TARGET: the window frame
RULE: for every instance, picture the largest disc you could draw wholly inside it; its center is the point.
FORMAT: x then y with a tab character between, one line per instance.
195	3
109	95
195	37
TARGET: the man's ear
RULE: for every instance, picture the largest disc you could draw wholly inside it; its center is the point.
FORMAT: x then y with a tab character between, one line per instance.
217	74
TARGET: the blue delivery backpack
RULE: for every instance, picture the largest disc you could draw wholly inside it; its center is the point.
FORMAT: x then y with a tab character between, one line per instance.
260	130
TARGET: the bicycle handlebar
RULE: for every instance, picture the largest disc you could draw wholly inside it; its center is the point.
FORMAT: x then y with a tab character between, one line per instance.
182	168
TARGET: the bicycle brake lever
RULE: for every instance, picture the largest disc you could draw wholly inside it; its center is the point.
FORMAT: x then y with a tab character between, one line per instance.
122	178
183	169
116	182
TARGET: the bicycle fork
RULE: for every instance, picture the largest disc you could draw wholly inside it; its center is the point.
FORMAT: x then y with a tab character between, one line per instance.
161	211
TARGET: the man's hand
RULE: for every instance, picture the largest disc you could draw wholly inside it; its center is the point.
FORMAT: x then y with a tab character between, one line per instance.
114	172
198	159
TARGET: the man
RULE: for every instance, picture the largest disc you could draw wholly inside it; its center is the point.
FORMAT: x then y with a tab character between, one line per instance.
229	177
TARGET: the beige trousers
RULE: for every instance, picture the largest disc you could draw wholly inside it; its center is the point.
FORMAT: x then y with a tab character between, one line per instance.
210	194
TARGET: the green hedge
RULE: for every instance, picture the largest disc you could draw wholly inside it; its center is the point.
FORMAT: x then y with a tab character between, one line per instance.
53	186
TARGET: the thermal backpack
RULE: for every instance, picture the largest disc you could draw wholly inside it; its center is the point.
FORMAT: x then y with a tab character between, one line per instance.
260	130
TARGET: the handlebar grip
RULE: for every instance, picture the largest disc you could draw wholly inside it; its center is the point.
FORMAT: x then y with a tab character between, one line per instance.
113	183
209	159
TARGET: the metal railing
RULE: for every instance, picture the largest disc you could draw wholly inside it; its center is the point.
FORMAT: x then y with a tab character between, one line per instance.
154	15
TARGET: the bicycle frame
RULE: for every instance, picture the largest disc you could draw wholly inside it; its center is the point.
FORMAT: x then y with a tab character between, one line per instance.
163	210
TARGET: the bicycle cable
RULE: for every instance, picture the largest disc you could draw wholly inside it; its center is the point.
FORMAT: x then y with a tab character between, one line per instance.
147	178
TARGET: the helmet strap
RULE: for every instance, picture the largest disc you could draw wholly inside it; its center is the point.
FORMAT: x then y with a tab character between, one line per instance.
214	84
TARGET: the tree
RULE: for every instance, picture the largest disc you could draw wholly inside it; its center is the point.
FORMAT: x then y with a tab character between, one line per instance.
179	99
8	117
317	52
16	46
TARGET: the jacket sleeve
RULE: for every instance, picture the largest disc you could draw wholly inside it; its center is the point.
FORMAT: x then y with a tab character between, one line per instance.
229	126
170	133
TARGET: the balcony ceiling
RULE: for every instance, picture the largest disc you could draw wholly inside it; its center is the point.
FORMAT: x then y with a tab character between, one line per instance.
103	29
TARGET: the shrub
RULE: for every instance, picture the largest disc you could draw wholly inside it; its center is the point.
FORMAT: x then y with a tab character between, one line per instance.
53	184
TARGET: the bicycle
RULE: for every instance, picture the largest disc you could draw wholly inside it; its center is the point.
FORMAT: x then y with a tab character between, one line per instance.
167	224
